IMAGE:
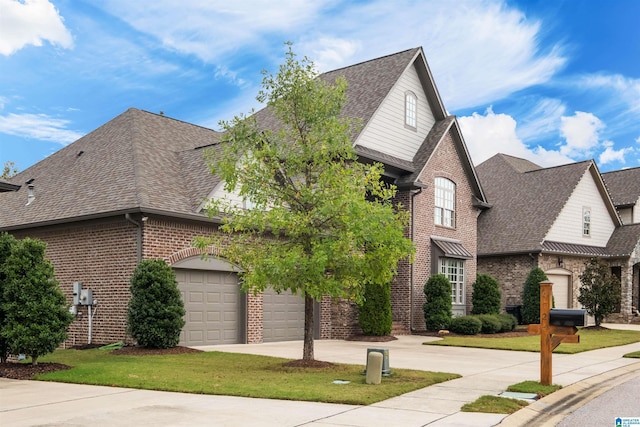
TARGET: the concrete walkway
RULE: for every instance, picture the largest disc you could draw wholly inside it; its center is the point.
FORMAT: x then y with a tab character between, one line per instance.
33	403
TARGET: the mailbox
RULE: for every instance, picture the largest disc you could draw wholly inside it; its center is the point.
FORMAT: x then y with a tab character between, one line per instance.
566	317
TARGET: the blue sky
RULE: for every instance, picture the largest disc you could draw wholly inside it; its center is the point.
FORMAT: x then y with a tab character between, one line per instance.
550	81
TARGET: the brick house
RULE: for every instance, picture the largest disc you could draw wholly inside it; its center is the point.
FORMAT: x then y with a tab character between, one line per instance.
555	218
134	188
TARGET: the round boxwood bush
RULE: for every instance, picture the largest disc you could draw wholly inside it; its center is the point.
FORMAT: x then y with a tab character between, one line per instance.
374	315
437	309
508	322
465	325
490	323
156	309
486	295
531	296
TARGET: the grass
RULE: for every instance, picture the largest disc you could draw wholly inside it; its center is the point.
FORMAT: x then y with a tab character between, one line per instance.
505	405
234	375
494	405
634	355
590	339
534	387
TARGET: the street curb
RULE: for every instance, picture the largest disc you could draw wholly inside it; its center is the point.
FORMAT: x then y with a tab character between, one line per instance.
552	409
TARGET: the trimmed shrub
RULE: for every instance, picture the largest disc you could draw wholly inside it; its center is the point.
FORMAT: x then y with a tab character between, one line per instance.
438	308
374	315
156	308
531	296
599	290
36	313
7	241
490	323
508	322
465	325
486	297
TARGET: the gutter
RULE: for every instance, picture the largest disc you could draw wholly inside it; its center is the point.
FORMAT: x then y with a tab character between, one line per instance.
127	216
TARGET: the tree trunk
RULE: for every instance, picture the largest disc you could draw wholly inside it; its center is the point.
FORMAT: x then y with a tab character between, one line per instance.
34	360
307	351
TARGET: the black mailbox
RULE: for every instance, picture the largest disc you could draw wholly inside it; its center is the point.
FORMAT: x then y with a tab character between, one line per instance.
566	317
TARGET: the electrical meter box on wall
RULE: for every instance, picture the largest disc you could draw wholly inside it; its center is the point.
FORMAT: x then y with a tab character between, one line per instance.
86	297
77	289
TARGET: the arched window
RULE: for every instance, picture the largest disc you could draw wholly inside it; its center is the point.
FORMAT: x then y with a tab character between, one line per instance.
410	110
445	202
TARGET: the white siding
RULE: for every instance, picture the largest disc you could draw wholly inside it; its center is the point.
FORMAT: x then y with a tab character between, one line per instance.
386	131
567	227
636	212
626	215
219	193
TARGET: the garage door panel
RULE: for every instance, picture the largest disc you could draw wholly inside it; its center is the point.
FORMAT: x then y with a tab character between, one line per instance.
560	290
283	316
212	306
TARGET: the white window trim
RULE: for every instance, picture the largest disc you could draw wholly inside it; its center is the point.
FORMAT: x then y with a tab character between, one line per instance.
457	286
586	221
408	117
440	210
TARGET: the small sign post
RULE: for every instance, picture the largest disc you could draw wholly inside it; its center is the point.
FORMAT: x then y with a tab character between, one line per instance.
550	336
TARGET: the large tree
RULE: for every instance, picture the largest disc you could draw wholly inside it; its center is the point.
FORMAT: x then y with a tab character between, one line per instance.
320	222
7	241
600	290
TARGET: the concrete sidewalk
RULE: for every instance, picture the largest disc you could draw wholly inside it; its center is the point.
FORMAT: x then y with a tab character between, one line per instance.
31	403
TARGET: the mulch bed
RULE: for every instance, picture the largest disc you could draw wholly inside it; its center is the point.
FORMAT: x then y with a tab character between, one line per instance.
26	371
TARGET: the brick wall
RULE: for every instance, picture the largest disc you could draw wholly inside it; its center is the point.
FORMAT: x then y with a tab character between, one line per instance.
510	272
101	255
445	162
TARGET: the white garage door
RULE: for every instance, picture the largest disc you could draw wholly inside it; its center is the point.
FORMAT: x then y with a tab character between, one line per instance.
283	316
212	305
560	290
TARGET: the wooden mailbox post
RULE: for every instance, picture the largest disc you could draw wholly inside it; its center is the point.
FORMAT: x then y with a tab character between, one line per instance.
550	336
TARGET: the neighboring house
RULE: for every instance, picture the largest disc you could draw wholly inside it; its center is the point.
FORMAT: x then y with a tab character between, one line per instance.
134	188
554	218
624	187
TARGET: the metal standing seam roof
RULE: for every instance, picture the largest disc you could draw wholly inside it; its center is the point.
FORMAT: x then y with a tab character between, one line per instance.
451	248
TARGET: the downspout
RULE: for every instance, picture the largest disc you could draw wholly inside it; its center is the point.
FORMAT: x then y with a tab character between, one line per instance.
127	216
414	193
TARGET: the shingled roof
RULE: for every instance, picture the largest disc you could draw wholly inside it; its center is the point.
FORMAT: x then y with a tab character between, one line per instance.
624	186
525	199
137	161
144	162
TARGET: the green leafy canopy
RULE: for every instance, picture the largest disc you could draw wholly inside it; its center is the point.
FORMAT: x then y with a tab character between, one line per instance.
321	223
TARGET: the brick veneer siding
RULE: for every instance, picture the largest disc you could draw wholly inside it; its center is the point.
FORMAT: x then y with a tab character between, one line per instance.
102	255
510	272
445	162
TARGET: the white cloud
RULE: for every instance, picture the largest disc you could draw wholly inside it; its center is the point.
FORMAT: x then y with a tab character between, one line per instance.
610	155
212	29
625	89
490	134
581	133
479	51
38	126
541	120
30	22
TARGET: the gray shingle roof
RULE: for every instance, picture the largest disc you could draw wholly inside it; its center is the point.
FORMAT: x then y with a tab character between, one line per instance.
138	160
624	241
525	202
623	185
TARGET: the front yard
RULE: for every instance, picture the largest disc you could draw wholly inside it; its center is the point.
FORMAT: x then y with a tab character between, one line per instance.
234	375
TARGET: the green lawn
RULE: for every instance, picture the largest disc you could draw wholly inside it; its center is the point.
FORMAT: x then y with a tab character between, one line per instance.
494	405
235	375
634	355
590	339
